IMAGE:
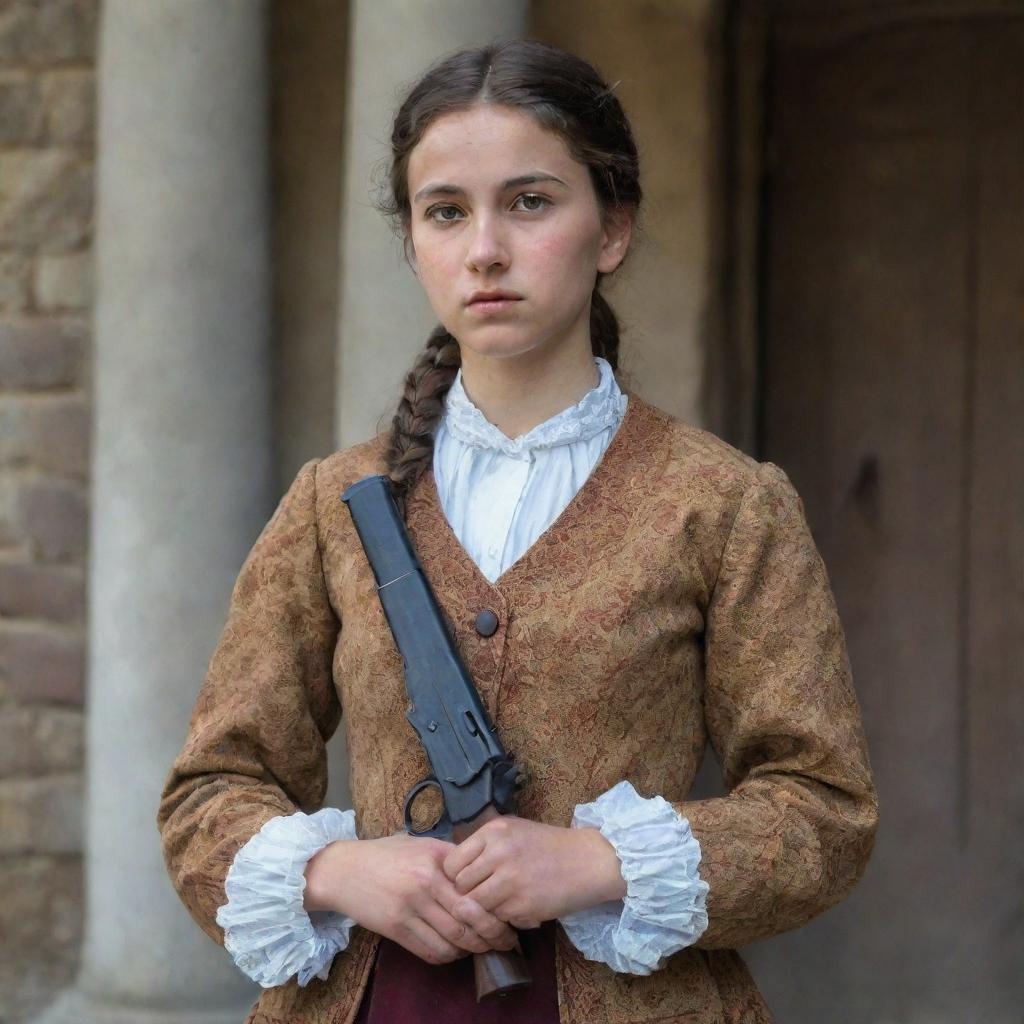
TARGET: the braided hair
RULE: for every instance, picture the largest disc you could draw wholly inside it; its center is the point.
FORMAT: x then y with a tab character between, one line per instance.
565	94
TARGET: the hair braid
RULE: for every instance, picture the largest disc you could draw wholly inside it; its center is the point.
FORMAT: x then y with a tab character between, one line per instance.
411	442
604	329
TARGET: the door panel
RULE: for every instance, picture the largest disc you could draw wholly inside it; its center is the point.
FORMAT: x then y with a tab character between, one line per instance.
892	390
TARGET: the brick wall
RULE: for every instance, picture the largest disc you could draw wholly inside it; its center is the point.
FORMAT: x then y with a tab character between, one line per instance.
47	123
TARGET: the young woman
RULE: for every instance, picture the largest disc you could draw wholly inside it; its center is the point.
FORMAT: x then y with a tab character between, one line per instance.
623	587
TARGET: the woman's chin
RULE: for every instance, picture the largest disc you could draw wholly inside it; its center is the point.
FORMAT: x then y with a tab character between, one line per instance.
495	343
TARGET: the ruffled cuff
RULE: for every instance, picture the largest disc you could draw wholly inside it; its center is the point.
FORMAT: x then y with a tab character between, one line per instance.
267	930
665	905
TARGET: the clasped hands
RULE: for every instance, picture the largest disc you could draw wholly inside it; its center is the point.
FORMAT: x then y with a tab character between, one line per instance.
442	902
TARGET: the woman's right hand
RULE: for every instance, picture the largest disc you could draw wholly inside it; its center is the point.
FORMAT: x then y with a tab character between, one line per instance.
396	886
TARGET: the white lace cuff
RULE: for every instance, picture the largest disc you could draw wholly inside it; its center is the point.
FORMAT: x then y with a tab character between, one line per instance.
267	930
664	909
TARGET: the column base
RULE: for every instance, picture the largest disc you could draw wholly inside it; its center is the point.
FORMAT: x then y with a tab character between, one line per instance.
75	1007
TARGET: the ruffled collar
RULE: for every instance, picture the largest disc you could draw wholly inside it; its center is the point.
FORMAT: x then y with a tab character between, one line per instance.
600	408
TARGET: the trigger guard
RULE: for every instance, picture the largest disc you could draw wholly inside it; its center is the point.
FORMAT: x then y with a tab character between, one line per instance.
442	828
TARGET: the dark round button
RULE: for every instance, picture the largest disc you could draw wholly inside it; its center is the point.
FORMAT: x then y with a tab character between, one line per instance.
486	622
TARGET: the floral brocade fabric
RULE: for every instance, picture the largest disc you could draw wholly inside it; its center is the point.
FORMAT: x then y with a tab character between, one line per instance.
679	599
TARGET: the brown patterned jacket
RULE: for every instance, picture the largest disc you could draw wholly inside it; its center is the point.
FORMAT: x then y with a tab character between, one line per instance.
678	598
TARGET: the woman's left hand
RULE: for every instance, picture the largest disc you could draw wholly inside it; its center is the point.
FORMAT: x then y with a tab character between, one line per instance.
525	872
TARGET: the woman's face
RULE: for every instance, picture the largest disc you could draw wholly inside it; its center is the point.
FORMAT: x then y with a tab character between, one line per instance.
499	204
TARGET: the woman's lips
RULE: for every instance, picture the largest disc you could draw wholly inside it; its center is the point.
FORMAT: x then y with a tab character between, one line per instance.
486	307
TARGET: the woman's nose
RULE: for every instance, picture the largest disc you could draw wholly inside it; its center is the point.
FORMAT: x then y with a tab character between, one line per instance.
487	248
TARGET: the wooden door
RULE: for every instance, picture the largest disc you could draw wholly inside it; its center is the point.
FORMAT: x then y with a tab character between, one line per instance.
892	391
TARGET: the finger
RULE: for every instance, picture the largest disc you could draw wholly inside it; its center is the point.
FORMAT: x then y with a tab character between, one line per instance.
490	893
469	911
466	852
472	875
520	924
492	928
423	940
458	933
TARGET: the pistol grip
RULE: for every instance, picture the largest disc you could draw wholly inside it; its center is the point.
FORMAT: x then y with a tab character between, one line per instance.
500	972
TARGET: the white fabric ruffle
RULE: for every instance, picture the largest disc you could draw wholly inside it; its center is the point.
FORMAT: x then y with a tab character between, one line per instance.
267	931
665	905
599	409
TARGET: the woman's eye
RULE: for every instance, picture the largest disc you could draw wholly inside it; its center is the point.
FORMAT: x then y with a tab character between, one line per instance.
532	203
440	214
448	214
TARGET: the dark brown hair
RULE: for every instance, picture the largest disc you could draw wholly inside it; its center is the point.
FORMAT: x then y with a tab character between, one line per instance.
566	95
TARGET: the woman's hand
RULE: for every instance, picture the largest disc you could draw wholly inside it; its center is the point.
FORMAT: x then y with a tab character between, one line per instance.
396	887
525	872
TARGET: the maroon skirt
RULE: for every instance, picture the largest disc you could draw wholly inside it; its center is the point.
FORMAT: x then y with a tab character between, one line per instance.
404	989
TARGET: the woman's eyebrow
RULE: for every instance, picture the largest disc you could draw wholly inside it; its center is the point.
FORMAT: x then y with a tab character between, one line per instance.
443	189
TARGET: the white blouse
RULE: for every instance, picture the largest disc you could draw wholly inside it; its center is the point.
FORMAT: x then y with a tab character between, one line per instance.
499	494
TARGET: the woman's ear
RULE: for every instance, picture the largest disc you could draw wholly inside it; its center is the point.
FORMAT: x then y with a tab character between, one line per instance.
615	237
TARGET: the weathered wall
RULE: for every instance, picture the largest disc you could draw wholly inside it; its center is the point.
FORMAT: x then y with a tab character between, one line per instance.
46	200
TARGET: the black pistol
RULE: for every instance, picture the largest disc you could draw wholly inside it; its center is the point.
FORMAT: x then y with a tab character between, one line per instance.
476	776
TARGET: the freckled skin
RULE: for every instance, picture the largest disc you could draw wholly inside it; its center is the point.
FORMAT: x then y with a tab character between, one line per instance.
547	249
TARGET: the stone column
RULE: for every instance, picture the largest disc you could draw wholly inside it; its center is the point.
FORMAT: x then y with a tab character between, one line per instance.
384	317
181	471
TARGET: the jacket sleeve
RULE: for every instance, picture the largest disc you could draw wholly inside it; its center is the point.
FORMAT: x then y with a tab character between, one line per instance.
255	747
794	833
